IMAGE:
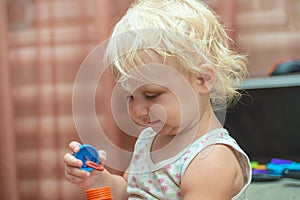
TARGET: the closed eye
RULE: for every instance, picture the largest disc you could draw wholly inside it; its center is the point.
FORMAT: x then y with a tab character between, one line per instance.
151	96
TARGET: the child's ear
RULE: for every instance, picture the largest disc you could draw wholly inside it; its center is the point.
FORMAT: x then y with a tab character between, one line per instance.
206	78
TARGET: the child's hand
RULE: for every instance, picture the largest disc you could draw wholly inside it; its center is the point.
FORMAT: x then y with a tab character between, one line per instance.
73	172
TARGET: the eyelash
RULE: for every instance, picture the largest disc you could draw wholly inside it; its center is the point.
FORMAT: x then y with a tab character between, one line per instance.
148	97
151	97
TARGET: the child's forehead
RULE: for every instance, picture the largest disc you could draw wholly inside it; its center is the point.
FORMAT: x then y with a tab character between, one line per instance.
154	78
150	87
151	73
133	84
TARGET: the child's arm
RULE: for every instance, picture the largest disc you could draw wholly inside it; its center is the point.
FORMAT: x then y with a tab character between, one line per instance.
94	178
217	175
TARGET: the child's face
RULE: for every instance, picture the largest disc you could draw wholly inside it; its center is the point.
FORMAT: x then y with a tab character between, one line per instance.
162	98
155	106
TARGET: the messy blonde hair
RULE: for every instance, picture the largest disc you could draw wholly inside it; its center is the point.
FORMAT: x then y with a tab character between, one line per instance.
183	29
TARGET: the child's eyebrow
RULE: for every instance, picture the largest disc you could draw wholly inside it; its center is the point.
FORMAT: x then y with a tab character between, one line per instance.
153	87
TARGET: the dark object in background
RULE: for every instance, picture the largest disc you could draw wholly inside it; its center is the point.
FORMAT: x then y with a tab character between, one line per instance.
266	123
285	67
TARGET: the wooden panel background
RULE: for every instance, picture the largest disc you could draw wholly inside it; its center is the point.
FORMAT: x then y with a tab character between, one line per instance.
46	42
269	31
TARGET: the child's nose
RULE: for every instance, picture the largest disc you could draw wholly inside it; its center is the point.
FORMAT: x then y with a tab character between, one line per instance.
140	111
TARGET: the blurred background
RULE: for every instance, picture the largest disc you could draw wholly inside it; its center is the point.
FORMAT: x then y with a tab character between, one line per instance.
43	43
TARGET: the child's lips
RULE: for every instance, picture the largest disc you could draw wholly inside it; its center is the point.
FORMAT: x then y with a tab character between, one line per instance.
155	122
156	125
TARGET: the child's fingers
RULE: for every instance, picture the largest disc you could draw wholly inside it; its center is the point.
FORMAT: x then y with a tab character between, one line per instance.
102	154
75	175
74	146
69	159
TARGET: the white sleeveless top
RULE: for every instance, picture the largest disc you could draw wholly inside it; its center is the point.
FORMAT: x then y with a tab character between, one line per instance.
162	180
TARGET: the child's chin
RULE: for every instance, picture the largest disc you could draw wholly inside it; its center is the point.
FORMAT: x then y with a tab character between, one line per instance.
158	130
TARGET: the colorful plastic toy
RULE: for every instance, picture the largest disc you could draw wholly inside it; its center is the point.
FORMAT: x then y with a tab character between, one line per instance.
277	166
275	170
89	157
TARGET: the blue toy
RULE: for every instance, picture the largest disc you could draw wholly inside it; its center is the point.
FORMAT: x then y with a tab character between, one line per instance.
277	166
89	157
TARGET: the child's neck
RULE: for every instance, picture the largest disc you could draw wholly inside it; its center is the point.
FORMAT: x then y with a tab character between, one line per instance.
207	123
177	143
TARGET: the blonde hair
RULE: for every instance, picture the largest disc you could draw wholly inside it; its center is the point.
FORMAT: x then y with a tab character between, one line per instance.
185	29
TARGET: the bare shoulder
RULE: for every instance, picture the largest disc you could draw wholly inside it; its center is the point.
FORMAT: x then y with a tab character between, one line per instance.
214	174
